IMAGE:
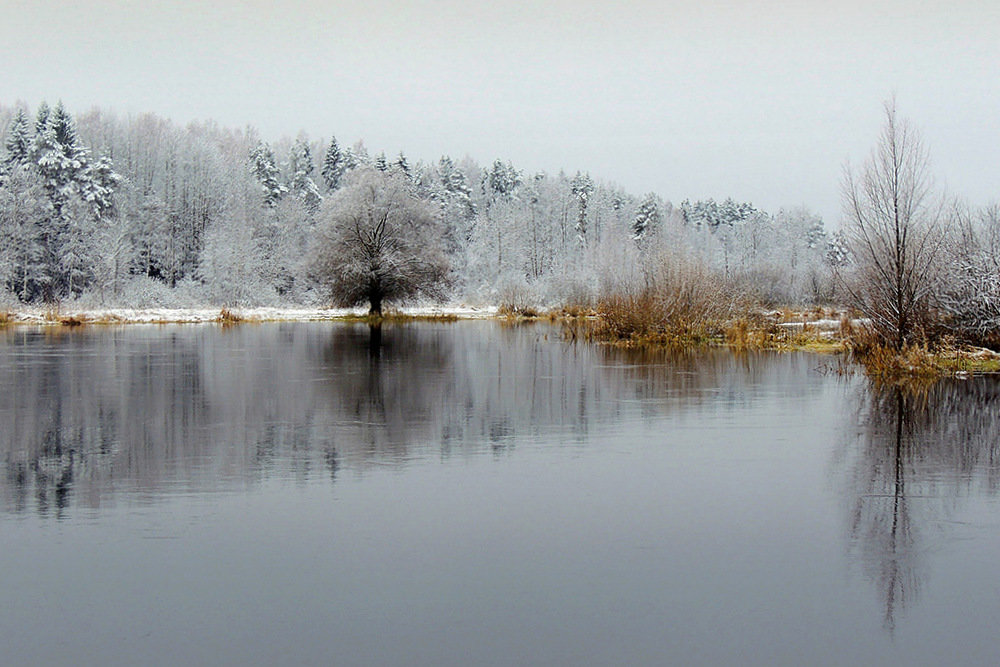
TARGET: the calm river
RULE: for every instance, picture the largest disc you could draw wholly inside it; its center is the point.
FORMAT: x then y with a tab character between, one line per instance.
479	494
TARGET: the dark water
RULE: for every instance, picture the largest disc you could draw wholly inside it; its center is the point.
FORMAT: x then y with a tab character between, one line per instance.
473	494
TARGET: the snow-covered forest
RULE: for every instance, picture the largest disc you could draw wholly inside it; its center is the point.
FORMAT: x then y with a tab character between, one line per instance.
101	209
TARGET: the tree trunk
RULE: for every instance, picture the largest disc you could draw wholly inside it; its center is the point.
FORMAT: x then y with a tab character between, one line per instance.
375	299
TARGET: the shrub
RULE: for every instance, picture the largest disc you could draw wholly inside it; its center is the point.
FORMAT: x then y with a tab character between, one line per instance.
682	302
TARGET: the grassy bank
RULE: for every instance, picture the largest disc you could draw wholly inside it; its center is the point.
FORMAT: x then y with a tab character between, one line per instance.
944	357
690	318
647	321
68	316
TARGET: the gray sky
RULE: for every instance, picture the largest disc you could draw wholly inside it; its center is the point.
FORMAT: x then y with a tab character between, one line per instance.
759	100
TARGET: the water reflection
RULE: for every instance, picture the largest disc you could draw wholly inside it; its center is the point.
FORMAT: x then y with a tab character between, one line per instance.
916	455
96	414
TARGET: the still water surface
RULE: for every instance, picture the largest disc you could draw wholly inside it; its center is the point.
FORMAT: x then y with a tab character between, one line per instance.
469	493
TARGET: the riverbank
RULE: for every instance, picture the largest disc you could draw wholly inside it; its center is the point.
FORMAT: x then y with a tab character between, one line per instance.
68	316
824	331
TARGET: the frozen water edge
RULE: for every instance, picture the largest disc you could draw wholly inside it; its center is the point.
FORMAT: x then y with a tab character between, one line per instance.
206	315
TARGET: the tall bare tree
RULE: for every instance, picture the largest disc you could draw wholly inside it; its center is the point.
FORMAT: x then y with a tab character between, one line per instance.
897	231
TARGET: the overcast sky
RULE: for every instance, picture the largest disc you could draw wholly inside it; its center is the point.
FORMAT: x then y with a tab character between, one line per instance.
762	101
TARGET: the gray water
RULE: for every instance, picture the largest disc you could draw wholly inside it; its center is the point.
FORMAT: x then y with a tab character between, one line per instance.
470	493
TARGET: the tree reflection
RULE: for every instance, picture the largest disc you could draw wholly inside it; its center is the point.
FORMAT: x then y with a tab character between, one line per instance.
375	340
104	412
917	451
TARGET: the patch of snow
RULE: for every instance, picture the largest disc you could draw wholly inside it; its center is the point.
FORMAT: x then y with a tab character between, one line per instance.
36	315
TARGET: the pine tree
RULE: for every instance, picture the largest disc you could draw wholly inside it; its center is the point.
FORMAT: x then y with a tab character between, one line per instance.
334	165
456	185
648	216
838	252
501	181
582	187
64	128
263	167
403	166
64	170
381	164
61	160
18	143
42	119
99	183
816	234
301	166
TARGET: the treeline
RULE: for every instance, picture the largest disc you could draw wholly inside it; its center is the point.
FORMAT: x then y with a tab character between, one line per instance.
139	211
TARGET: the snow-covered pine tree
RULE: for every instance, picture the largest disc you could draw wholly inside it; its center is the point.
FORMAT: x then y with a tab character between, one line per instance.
500	181
450	188
334	165
838	252
647	217
403	165
582	188
42	119
263	166
98	186
61	160
64	168
300	182
18	142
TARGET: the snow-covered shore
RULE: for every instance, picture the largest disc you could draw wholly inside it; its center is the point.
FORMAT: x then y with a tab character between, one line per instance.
70	315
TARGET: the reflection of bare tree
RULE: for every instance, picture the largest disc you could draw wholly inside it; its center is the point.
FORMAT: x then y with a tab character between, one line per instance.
916	453
881	525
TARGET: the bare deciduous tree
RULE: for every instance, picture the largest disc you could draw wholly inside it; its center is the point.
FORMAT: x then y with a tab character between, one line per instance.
897	232
380	243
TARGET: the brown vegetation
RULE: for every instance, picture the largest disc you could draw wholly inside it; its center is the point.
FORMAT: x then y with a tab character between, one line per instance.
229	317
925	359
682	303
511	311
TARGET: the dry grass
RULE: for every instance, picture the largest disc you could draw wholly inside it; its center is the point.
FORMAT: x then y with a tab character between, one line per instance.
229	318
653	319
885	364
756	332
846	329
109	318
396	316
753	331
6	318
572	312
510	311
72	321
682	303
629	318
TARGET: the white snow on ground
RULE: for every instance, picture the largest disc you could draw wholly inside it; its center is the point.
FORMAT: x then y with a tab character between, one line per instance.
201	315
821	325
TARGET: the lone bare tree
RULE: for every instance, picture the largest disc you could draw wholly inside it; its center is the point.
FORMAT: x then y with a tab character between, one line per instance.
896	231
379	243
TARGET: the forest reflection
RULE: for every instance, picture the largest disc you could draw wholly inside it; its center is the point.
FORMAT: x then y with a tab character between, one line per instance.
916	454
95	414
